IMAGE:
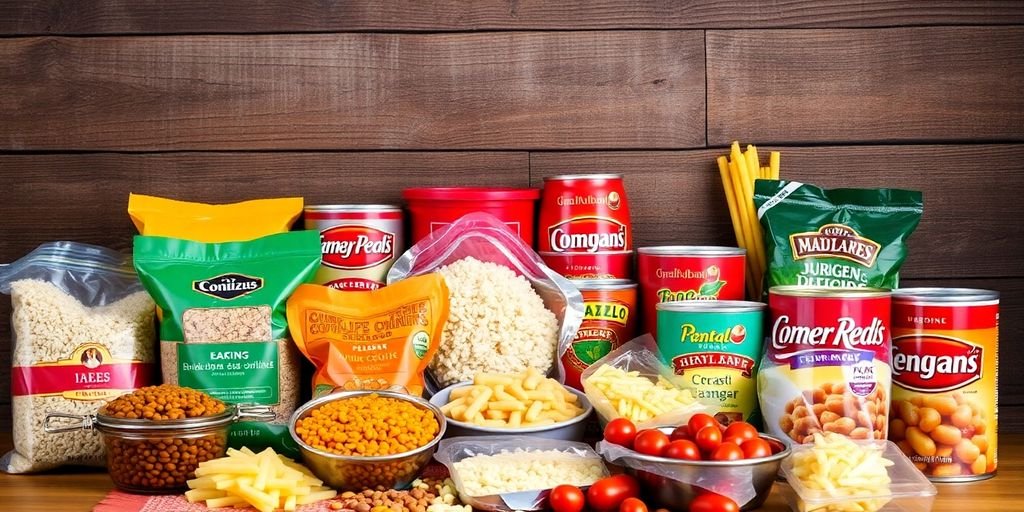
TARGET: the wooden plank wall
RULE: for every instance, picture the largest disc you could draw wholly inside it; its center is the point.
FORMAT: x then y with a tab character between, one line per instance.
352	101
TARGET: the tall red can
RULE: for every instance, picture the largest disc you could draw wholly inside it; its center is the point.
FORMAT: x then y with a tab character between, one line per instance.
586	214
358	243
679	272
826	364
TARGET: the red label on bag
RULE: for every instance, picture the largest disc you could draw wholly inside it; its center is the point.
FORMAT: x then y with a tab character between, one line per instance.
90	373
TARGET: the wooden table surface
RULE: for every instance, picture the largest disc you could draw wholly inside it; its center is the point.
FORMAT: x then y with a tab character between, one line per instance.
79	490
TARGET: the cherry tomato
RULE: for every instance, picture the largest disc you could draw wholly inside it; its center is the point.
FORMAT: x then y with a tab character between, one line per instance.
650	442
680	432
632	505
727	451
708	438
711	502
699	421
756	448
566	498
620	431
608	493
741	430
683	449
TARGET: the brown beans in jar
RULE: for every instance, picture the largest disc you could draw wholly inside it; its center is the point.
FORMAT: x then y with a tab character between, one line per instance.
163	402
160	462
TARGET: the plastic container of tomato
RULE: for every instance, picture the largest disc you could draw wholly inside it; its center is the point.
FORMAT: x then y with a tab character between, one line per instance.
436	207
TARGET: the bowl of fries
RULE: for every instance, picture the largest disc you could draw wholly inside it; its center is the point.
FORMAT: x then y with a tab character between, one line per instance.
503	404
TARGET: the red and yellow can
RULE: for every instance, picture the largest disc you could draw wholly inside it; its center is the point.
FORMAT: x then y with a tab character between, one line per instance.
945	371
609	320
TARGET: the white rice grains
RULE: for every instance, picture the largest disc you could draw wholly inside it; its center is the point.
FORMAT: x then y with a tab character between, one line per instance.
50	326
497	323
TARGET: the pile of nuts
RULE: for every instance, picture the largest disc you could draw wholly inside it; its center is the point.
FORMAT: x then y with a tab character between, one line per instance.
164	402
383	499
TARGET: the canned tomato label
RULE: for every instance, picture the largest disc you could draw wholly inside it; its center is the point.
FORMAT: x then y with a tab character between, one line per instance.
714	347
826	364
359	243
584	214
674	273
945	372
609	320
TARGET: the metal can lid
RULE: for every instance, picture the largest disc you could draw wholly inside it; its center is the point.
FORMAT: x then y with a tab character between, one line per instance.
710	306
945	295
603	284
341	208
570	177
825	292
471	194
692	250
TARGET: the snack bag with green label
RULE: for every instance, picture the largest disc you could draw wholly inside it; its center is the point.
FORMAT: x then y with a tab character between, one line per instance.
224	328
835	238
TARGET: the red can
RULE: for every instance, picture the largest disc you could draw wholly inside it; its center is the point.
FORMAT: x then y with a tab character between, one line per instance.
590	265
436	207
586	213
679	272
826	366
359	243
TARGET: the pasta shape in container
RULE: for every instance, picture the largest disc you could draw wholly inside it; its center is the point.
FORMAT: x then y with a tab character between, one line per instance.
506	473
631	382
508	312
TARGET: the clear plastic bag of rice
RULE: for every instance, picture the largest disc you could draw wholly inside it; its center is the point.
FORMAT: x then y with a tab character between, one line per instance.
83	333
508	311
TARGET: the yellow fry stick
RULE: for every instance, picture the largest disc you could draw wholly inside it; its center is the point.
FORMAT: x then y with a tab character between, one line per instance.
730	199
773	164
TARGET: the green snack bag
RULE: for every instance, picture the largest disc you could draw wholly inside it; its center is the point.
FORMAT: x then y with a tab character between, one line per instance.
224	329
835	238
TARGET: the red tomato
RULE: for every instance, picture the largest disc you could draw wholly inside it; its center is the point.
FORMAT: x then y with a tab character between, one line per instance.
741	430
756	448
708	438
711	502
650	442
683	449
699	421
632	505
727	451
566	498
608	493
680	432
620	431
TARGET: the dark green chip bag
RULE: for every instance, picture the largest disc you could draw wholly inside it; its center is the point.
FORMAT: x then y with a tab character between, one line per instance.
223	328
835	238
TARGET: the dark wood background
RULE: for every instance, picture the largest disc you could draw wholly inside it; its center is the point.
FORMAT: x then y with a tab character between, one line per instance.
349	102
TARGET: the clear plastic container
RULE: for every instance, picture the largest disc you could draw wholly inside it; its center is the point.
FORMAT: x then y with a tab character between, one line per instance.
909	490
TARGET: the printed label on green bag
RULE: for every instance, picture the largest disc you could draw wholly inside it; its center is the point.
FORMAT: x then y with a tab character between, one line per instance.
233	372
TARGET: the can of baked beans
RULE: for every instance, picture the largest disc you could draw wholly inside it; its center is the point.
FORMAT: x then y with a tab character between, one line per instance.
683	272
609	320
945	371
714	348
586	214
358	243
826	364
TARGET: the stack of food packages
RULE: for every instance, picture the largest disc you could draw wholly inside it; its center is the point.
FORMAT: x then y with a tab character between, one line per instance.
515	349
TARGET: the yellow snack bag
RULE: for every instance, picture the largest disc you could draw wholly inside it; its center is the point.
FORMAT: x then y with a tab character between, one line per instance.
213	223
375	339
